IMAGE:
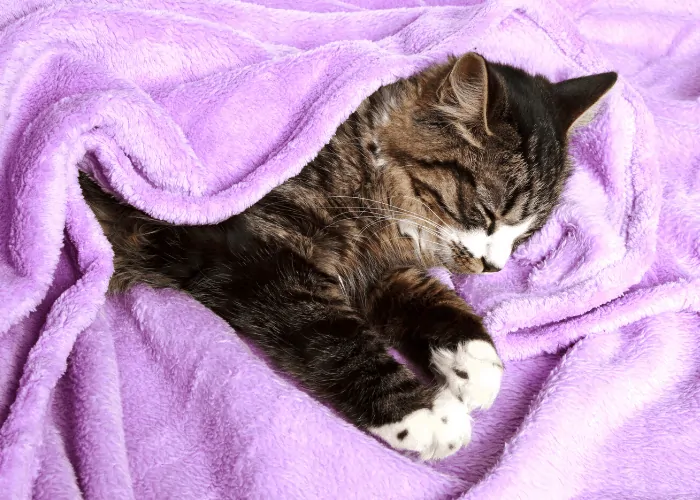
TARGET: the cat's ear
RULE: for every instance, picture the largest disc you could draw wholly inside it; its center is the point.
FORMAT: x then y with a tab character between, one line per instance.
466	90
576	99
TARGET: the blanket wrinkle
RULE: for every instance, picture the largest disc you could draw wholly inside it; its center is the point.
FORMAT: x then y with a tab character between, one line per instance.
192	111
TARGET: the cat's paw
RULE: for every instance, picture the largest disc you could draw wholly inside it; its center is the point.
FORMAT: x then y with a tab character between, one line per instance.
473	372
434	433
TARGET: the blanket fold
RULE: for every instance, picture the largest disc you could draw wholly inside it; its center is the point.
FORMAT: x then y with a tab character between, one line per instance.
192	111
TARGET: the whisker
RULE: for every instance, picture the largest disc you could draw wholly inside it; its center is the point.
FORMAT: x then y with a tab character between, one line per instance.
420	226
398	209
394	207
433	212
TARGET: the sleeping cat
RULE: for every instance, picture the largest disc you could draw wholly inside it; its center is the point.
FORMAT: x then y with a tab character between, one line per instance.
454	167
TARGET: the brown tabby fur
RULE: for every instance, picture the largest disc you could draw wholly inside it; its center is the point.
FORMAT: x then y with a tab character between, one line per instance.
322	273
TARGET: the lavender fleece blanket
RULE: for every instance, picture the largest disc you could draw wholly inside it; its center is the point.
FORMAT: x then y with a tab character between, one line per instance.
193	110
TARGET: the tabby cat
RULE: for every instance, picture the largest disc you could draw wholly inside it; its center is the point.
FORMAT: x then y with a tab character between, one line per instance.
453	167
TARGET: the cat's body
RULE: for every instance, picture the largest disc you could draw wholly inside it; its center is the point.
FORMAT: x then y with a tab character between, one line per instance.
453	168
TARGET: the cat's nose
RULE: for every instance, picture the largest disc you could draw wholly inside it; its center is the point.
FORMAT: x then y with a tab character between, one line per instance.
488	267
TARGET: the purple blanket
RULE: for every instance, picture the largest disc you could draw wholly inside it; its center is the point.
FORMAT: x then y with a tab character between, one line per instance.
193	110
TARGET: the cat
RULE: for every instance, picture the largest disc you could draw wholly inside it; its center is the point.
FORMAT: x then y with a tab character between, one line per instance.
454	167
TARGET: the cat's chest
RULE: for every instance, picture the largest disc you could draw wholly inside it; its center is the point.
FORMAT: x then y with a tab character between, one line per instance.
370	252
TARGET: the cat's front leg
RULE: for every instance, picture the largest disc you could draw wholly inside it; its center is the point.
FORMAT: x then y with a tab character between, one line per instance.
301	319
440	333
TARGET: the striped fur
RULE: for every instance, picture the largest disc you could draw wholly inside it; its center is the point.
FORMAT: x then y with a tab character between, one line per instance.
451	167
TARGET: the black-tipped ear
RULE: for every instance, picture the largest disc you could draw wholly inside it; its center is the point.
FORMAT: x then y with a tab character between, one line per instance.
577	96
466	89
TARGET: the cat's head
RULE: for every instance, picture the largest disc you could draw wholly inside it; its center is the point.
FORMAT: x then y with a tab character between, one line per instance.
477	152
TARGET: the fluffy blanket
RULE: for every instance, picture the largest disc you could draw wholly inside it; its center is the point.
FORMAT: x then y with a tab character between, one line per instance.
193	110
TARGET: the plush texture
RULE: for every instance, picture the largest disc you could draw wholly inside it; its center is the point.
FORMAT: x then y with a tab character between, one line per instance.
191	111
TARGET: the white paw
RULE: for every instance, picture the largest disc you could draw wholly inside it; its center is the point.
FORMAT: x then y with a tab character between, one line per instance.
433	433
473	372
